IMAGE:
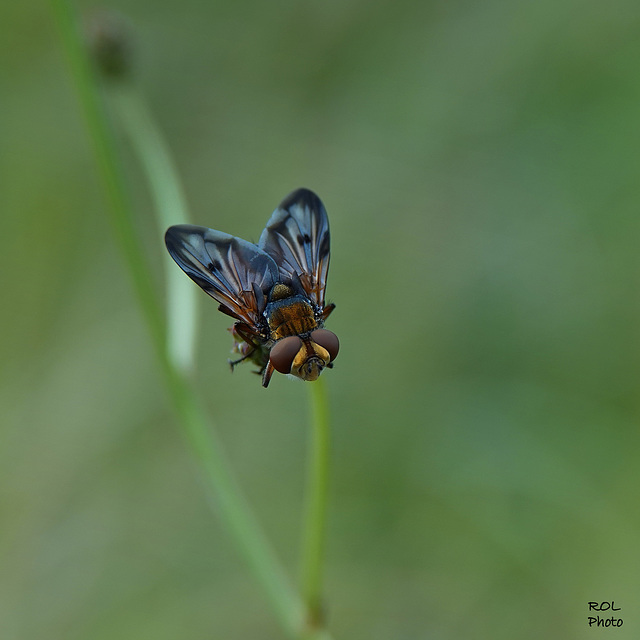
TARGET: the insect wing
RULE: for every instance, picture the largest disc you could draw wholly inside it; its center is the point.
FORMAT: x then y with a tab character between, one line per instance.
236	273
297	237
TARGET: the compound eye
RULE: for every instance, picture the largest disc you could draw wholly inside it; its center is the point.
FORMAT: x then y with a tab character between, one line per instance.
327	340
283	352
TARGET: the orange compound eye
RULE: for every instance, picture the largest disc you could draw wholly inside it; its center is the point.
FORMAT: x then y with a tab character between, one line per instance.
283	353
328	340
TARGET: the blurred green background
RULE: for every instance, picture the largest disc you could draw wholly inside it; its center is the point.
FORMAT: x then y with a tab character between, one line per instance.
479	163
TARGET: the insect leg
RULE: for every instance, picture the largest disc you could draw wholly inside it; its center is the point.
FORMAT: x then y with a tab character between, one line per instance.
233	363
243	333
327	310
266	374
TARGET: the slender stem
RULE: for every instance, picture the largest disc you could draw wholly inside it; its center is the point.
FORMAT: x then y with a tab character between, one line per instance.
120	210
171	208
234	511
229	501
155	158
313	549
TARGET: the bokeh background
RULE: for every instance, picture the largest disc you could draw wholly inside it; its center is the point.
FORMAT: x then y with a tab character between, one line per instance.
479	162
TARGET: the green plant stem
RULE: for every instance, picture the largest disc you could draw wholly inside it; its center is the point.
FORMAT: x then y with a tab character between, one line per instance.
171	208
229	501
313	549
120	210
233	508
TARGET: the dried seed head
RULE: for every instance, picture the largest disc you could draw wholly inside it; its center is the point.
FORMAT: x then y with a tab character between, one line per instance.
109	40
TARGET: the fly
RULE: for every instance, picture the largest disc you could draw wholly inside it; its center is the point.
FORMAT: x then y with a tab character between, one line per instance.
273	290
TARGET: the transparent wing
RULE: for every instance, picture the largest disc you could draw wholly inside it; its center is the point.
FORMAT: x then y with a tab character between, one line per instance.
297	238
234	272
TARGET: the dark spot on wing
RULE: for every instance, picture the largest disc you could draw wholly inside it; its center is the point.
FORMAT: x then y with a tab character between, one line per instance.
304	239
214	265
324	245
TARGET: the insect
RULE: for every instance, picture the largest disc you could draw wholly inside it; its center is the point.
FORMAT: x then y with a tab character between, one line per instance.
274	290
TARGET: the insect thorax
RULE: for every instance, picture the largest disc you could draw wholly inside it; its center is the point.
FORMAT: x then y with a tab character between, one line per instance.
289	314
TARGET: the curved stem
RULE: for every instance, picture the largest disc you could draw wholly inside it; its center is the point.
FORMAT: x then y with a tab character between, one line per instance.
171	208
120	210
229	500
234	510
